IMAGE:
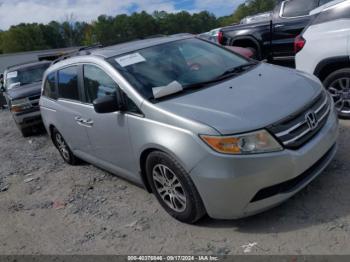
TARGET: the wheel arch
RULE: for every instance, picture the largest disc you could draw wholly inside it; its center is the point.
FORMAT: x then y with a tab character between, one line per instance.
246	41
50	133
143	158
329	65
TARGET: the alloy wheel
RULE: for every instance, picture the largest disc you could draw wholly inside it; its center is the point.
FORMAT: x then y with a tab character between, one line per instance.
339	89
62	146
169	187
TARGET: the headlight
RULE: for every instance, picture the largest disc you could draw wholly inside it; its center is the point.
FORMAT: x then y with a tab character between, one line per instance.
19	105
249	143
19	101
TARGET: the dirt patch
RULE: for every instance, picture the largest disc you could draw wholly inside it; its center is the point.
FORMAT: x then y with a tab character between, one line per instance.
48	207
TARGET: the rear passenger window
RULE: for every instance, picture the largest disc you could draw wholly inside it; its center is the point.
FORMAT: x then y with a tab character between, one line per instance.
50	86
297	8
68	83
322	2
97	83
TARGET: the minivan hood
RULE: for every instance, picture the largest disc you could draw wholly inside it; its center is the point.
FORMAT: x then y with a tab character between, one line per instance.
251	101
24	91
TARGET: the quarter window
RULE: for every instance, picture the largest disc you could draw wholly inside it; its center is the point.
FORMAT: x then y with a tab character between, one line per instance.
50	86
322	2
297	8
97	83
68	83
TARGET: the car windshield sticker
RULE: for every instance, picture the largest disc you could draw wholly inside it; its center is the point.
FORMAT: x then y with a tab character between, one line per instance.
131	59
11	75
172	88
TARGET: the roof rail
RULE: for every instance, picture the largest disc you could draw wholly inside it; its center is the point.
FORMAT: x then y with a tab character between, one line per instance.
81	51
94	46
25	63
180	34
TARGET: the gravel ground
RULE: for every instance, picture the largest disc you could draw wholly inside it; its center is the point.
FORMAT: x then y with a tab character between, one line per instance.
48	207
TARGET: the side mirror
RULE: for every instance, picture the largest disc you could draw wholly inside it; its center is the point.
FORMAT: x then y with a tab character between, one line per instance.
106	104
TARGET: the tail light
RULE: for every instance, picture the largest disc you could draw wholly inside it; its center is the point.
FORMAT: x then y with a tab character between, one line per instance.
299	43
220	38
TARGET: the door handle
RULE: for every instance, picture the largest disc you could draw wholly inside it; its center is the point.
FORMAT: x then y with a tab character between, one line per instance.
84	122
78	119
88	122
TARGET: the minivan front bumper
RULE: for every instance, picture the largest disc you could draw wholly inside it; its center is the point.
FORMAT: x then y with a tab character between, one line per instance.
232	187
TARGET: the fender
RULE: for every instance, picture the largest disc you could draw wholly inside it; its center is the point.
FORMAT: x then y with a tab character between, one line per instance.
335	63
247	37
252	39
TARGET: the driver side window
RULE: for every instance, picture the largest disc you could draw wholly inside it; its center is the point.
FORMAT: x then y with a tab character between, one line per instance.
97	83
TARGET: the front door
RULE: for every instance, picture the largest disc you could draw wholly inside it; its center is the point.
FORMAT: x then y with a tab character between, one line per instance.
108	133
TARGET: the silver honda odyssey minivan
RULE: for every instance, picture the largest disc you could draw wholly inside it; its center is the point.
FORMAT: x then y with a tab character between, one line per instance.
204	129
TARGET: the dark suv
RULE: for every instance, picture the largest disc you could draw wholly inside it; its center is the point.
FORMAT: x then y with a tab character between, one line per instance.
273	37
22	88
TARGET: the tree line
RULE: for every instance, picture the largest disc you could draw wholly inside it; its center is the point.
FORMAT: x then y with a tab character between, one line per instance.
108	30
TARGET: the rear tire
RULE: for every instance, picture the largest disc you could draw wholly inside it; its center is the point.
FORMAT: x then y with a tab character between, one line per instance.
63	148
174	188
338	86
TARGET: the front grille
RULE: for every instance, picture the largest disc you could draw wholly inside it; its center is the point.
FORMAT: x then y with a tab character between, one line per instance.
293	184
37	97
295	131
32	120
34	100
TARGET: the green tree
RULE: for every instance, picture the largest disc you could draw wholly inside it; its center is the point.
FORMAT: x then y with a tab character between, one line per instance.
109	30
1	33
52	34
23	37
249	7
103	30
203	21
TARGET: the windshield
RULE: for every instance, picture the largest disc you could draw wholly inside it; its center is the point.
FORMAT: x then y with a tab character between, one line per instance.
175	65
26	76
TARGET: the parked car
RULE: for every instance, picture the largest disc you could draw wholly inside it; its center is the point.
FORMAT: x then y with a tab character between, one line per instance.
204	129
272	38
2	89
323	50
212	36
22	88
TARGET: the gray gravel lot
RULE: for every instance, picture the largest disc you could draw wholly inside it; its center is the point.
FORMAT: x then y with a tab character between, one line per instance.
48	207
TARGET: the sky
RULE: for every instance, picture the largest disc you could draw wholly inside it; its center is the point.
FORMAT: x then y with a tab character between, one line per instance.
13	12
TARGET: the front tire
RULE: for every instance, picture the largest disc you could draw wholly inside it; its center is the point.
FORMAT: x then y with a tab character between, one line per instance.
63	148
26	131
338	85
174	188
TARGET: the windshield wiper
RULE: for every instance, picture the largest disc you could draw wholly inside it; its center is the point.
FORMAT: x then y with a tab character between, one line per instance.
228	73
238	69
